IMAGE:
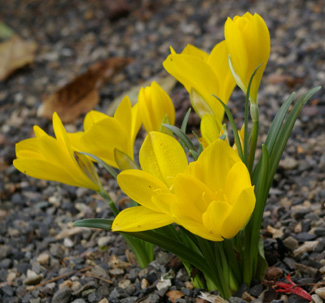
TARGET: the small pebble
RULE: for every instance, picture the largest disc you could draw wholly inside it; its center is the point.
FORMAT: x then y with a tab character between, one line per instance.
321	292
43	258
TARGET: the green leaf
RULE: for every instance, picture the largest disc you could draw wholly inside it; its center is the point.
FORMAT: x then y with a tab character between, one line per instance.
185	120
110	169
233	127
274	131
246	139
105	224
284	133
123	160
277	122
181	135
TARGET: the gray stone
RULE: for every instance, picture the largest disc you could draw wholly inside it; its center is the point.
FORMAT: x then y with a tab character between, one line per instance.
78	301
62	295
33	278
129	300
5	251
236	300
5	263
152	298
118	293
291	243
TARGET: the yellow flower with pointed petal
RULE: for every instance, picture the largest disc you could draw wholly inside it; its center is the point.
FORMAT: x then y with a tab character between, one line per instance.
203	75
248	43
210	128
161	158
214	195
45	157
110	137
155	107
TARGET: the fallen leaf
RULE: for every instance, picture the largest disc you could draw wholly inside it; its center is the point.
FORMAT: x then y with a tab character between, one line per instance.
167	83
174	294
14	54
292	288
81	95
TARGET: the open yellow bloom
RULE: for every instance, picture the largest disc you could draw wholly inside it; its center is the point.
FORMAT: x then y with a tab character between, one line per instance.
204	75
109	137
161	158
45	157
248	43
155	107
214	195
211	197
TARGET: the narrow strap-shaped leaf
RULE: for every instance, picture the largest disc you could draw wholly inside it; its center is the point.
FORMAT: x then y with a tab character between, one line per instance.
274	131
277	122
247	100
233	127
110	169
155	238
285	132
105	224
181	135
185	120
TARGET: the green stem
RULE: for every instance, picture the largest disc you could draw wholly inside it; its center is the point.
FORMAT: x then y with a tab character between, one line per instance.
109	200
255	119
142	250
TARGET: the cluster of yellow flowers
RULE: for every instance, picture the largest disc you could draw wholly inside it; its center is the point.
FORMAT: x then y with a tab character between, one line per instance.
211	197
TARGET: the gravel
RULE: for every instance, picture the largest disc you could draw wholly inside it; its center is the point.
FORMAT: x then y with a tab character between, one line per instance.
42	257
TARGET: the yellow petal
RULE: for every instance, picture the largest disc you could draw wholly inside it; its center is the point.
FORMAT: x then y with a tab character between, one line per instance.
210	128
194	51
140	218
93	117
213	164
215	215
154	104
141	186
193	72
218	60
248	44
103	137
238	179
193	197
240	213
162	156
198	228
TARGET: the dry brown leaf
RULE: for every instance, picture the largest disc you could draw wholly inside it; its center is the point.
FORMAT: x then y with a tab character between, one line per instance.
174	294
14	54
81	94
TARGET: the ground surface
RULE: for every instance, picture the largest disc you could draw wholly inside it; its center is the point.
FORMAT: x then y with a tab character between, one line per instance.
37	243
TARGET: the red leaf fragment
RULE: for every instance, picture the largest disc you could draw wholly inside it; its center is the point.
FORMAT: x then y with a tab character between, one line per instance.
292	288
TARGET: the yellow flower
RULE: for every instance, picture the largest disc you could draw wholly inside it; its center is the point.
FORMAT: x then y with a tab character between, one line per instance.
161	158
210	128
203	75
155	107
45	157
214	195
110	138
248	43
